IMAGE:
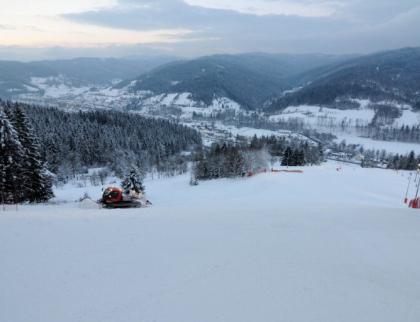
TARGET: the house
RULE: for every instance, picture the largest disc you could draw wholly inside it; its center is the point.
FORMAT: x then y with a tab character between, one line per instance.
359	158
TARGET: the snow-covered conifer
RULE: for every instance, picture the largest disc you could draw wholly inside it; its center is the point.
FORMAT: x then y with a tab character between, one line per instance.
133	181
11	156
36	183
287	157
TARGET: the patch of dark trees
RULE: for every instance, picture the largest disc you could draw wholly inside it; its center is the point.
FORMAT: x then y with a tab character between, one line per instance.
337	95
378	158
23	174
228	161
70	143
404	162
235	160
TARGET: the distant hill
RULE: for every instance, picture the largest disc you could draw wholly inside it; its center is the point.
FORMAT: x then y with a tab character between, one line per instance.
253	80
16	76
391	75
248	79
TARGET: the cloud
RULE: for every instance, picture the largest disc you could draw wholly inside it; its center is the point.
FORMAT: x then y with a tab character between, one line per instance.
11	27
354	26
263	7
148	15
23	27
373	11
400	31
205	22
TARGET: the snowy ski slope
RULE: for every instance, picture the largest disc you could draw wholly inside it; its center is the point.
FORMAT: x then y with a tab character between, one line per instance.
322	245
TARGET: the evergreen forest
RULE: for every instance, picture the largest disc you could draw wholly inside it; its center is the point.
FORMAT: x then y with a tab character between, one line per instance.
71	143
23	173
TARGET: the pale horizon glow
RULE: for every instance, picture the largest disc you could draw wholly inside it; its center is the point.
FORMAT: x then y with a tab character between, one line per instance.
28	24
28	31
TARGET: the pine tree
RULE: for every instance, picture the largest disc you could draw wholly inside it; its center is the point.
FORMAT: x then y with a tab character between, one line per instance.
411	162
301	158
254	142
235	162
133	181
393	164
201	169
296	158
287	157
11	155
36	184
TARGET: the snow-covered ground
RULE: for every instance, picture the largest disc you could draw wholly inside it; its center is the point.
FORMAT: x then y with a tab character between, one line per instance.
322	245
328	120
389	146
57	87
323	117
212	132
188	106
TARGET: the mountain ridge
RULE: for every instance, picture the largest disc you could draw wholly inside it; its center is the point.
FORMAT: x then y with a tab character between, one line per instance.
255	81
15	76
391	75
250	79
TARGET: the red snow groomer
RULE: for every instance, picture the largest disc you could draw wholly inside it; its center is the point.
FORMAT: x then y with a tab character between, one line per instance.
114	198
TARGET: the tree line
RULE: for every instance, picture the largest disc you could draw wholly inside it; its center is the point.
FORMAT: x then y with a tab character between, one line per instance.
229	161
404	162
72	142
292	152
23	174
234	160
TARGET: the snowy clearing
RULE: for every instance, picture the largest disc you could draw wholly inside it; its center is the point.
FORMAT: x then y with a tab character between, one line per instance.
315	115
328	120
389	146
322	245
56	87
323	117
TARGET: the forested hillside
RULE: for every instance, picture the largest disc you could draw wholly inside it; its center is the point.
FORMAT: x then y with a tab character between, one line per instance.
23	175
72	142
16	76
248	79
392	75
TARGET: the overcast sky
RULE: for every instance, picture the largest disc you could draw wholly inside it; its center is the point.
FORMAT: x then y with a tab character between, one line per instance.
54	29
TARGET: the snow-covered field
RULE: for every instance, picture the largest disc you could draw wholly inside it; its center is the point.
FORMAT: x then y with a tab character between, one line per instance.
187	104
389	146
322	245
321	117
59	89
317	116
328	120
218	132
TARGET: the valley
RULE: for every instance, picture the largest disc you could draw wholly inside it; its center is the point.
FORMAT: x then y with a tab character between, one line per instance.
224	118
209	161
250	94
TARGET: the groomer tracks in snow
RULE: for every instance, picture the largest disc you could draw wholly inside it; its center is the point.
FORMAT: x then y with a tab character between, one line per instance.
322	245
